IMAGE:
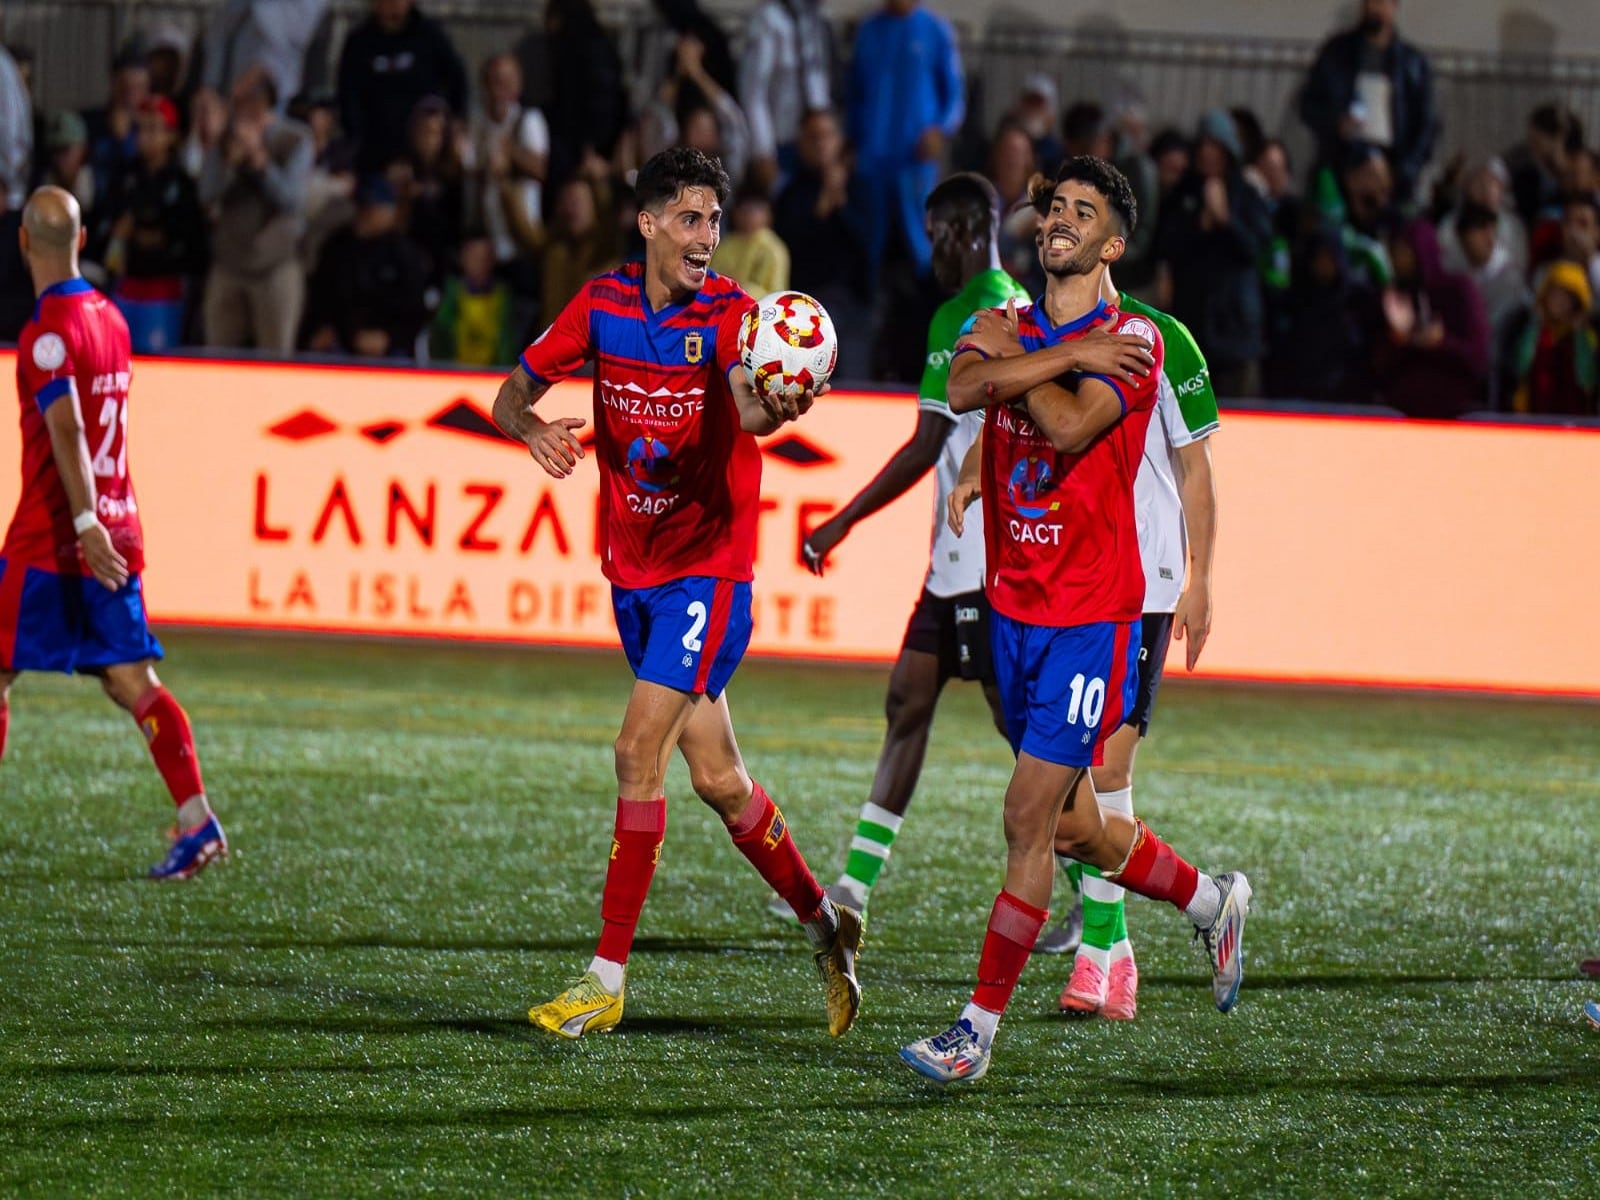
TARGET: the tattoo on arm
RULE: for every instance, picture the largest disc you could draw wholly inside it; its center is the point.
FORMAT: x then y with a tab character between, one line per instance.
513	406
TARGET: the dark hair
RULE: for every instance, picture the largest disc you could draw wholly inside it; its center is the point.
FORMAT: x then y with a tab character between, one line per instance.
1585	199
1102	177
1475	216
1557	120
663	178
749	193
1084	120
1166	142
969	196
1252	137
266	84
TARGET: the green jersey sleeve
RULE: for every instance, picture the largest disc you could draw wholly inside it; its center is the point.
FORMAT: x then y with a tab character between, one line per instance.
990	289
942	333
1185	369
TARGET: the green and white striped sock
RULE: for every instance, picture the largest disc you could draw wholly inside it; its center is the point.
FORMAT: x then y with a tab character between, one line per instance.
1105	922
869	850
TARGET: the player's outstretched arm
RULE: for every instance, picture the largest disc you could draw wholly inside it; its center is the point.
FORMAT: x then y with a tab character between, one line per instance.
899	475
552	444
969	487
1197	490
64	420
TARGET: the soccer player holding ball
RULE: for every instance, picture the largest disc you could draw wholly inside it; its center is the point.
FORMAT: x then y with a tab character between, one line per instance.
70	593
680	473
948	634
1069	384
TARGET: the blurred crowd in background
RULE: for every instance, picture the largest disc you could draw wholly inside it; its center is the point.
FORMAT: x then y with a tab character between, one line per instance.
434	210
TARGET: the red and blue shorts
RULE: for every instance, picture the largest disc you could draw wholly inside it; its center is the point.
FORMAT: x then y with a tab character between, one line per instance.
55	622
688	634
1065	691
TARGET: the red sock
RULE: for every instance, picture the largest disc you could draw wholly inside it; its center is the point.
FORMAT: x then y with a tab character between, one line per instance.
5	723
166	728
762	836
635	850
1154	869
1013	928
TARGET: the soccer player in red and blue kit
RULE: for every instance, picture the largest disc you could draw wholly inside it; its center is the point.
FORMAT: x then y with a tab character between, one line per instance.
70	592
680	478
1070	384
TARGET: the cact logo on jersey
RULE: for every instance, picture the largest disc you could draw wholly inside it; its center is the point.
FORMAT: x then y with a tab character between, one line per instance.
650	464
1031	478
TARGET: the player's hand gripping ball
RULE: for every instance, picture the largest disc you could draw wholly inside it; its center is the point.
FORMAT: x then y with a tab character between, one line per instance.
788	345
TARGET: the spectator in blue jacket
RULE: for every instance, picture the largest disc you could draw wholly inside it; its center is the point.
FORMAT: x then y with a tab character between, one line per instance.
1369	86
906	99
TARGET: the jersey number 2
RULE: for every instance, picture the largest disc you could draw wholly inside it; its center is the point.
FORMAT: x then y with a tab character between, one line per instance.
691	640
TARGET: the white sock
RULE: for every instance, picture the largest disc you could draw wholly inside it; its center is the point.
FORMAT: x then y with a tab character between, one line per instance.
1207	903
1120	800
852	892
822	930
1100	958
983	1022
610	973
1122	950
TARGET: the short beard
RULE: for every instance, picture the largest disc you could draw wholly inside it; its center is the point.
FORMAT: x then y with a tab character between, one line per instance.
1080	263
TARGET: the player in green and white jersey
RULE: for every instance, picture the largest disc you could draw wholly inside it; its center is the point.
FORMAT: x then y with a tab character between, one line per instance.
948	634
1175	502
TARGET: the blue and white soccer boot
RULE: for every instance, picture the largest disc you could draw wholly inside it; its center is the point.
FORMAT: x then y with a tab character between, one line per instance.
1591	1010
957	1055
191	850
1224	939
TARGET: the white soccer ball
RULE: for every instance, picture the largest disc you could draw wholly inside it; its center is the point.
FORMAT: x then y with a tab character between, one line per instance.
788	345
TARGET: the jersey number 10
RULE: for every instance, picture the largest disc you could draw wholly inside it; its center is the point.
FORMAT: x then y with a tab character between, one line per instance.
1089	700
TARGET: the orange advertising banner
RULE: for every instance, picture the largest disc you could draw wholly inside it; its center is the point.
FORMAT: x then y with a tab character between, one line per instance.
382	501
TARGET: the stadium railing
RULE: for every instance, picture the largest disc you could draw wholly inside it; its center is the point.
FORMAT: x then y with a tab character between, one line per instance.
1483	98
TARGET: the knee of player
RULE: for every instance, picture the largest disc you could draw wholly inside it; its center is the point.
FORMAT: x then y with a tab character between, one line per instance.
637	763
1026	830
721	787
1077	829
127	685
908	710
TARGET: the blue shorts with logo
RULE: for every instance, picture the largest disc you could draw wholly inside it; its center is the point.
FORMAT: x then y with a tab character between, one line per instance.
55	622
1065	690
688	635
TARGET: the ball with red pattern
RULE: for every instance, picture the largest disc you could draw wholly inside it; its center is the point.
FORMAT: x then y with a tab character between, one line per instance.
788	345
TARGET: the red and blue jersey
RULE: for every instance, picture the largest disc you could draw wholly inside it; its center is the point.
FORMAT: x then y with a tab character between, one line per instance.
76	345
680	481
1059	529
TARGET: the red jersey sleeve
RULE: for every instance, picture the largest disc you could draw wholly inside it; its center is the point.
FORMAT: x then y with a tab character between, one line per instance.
1139	393
565	346
729	330
45	368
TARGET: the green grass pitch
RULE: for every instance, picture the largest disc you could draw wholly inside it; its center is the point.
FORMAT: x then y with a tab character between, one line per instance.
420	833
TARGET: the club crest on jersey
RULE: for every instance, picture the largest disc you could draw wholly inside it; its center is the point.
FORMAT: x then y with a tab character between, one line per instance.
1138	327
49	352
694	348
